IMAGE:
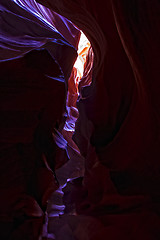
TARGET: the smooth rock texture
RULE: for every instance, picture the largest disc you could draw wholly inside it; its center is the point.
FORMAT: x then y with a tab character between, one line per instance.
111	162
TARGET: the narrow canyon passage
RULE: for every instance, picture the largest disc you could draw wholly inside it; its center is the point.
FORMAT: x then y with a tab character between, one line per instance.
79	120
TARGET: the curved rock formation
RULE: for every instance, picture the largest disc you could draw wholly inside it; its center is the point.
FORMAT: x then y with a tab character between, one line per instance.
117	131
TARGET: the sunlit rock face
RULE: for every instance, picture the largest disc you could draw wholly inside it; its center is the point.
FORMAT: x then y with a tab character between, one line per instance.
80	76
113	155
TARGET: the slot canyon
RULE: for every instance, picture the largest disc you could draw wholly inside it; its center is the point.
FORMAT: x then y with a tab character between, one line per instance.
79	120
